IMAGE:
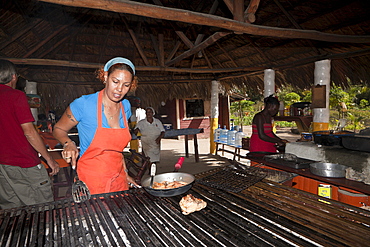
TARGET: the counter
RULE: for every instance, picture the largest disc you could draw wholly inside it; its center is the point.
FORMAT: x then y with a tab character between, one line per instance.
342	182
352	192
332	154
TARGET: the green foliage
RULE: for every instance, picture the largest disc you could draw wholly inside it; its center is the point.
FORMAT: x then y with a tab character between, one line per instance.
356	98
364	93
364	103
336	96
291	98
307	96
356	120
287	95
241	110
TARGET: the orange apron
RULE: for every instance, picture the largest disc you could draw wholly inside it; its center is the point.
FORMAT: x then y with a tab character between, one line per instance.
100	167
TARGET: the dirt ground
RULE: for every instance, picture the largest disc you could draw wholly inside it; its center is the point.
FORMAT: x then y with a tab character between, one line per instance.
172	149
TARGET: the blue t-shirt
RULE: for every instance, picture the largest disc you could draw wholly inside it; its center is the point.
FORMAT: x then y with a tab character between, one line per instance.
84	109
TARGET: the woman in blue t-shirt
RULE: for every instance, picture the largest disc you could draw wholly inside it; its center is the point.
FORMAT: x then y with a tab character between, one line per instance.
101	120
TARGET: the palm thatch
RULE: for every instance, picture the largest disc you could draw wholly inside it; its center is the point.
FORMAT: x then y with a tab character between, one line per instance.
179	47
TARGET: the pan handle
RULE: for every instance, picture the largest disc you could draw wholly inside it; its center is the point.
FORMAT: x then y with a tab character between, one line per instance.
179	164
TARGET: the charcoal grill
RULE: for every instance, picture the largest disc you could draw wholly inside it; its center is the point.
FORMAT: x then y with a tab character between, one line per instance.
265	214
234	179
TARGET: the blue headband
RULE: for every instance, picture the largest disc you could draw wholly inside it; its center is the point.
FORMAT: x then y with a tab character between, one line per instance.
116	60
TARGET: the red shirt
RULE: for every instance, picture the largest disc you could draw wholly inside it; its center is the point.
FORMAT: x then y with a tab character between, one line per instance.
15	149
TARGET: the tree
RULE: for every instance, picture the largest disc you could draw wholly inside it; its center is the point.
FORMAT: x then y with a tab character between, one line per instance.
336	97
307	96
291	98
240	108
356	120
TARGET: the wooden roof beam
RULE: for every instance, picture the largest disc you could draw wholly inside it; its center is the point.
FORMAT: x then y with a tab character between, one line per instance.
228	55
236	7
16	36
250	12
173	52
209	41
185	39
136	42
85	65
158	48
295	23
238	10
153	11
44	41
161	49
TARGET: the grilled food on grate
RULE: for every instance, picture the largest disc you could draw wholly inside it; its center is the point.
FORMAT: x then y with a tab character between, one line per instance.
168	185
190	204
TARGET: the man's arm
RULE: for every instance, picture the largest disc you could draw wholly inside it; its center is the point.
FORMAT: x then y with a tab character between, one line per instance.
36	142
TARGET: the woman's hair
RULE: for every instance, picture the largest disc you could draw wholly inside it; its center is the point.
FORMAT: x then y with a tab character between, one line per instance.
7	70
118	66
271	100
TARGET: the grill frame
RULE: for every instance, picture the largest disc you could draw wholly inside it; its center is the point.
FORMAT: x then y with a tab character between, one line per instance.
265	214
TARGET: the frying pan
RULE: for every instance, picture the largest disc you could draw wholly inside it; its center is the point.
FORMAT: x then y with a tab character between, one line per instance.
170	176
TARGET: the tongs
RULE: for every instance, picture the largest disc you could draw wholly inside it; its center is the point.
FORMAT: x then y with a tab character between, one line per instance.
80	192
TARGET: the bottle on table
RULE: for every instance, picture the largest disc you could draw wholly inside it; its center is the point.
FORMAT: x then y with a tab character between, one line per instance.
217	134
239	138
223	135
231	136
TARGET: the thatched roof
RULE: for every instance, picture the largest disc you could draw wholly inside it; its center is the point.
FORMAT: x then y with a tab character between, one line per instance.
180	46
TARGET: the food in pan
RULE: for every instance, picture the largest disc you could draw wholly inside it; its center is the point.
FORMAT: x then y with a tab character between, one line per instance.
190	204
168	185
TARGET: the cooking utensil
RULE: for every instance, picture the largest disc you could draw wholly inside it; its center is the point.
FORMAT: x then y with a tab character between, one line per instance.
285	156
80	192
290	160
152	174
170	177
329	170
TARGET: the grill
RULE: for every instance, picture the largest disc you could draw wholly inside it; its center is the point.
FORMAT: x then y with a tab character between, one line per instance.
265	214
238	178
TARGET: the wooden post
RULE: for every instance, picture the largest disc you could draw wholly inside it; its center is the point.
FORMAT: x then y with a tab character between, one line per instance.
196	148
187	146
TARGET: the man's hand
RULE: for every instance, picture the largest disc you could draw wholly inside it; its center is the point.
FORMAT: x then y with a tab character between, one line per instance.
54	167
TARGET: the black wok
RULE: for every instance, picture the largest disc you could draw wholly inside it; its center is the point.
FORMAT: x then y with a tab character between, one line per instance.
170	176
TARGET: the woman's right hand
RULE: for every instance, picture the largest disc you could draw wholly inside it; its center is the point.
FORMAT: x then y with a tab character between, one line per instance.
70	153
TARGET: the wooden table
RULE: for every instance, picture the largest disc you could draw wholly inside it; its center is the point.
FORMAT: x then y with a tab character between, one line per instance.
303	122
186	132
235	153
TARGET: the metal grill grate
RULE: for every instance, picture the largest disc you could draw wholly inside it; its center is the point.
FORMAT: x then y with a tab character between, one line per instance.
264	215
234	179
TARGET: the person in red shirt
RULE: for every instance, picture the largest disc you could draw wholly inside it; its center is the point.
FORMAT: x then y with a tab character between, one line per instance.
263	139
23	179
